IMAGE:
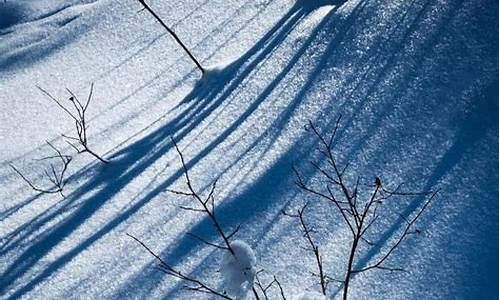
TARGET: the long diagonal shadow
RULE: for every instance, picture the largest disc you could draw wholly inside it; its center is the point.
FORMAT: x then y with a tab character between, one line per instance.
159	75
185	246
478	123
257	198
183	120
131	162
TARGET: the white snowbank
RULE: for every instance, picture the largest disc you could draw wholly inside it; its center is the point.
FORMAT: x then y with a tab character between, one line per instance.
238	270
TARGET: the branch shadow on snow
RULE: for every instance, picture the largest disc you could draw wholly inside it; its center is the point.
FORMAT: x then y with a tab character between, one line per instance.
139	52
264	193
183	123
158	76
207	96
477	124
129	163
258	197
248	204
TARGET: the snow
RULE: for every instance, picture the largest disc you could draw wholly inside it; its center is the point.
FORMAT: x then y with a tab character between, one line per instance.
311	296
238	269
415	81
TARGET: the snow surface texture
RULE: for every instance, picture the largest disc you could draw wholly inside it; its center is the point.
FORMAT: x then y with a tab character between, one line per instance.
417	85
311	296
238	270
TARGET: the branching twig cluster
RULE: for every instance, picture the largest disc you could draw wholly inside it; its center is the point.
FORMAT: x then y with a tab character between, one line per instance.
79	108
358	213
205	205
76	111
264	288
308	231
55	175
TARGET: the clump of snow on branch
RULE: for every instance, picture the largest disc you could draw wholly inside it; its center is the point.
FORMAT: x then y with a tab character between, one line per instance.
238	270
311	296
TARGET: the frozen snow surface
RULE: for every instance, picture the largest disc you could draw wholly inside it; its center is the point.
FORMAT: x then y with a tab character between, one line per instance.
311	296
416	82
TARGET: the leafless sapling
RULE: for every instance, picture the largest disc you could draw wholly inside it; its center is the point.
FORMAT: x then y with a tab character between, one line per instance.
360	207
206	206
172	33
77	112
55	175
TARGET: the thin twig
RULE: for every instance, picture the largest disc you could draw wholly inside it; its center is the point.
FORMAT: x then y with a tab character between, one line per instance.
57	178
314	248
81	124
169	270
207	208
173	34
358	214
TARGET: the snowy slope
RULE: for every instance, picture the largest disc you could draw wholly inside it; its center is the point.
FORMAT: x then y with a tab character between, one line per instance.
416	82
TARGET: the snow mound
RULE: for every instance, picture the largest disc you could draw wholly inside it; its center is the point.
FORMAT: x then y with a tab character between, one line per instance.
311	296
238	270
216	76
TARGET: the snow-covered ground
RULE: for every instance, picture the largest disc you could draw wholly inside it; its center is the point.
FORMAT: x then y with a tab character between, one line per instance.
415	81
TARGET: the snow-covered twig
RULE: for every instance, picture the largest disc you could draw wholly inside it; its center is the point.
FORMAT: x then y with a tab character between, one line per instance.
206	205
238	263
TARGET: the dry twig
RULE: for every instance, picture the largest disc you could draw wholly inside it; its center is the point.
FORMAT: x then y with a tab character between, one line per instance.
54	175
358	214
77	112
264	288
323	279
205	205
172	33
197	285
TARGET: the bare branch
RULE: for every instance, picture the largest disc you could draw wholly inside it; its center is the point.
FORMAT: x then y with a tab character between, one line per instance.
265	288
359	214
173	34
192	209
58	103
84	109
169	270
179	192
314	248
234	232
200	201
55	177
80	120
204	207
407	231
205	241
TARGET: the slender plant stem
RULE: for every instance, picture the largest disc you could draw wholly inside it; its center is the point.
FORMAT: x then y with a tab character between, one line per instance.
173	34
